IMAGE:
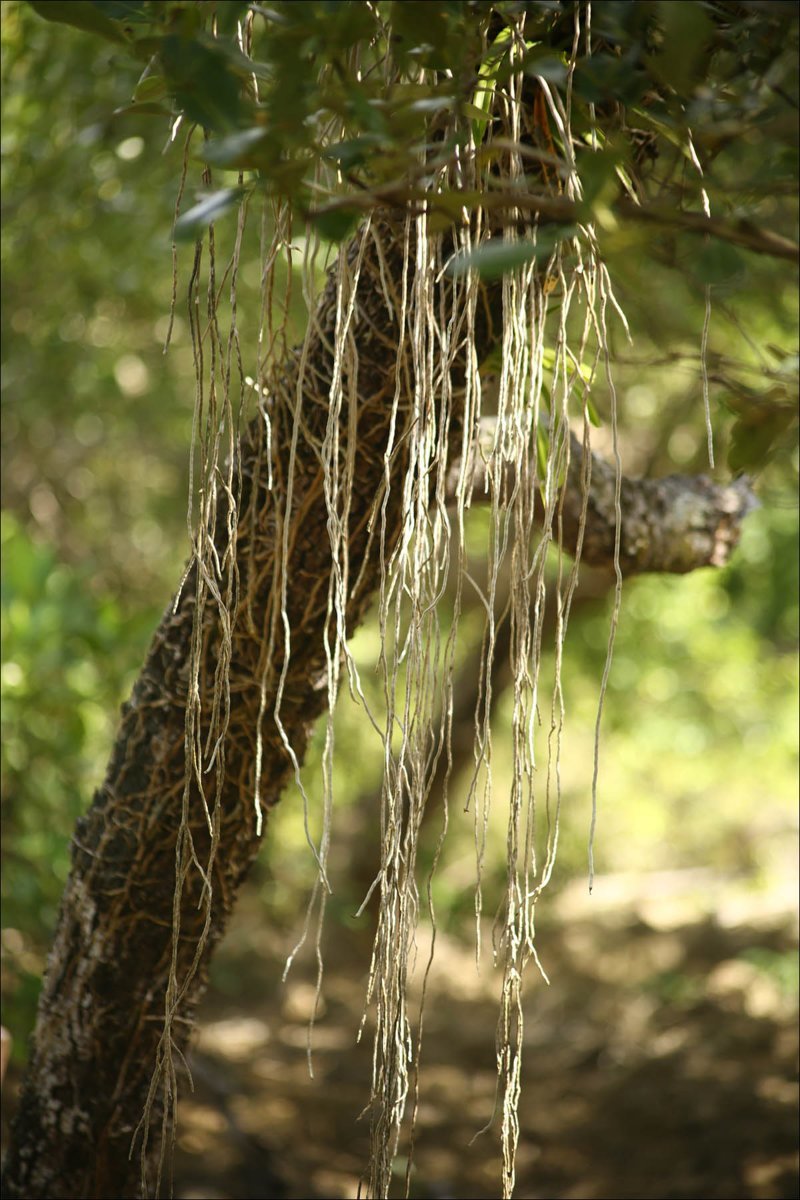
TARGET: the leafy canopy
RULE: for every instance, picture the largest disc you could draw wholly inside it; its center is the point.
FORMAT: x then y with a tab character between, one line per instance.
271	84
683	120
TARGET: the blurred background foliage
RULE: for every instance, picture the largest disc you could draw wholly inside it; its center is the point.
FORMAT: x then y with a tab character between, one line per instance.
698	758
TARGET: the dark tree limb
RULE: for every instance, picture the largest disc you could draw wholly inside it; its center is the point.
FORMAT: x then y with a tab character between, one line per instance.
559	209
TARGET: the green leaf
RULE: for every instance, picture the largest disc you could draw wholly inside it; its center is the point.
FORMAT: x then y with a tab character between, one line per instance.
764	419
124	10
271	14
752	446
591	409
753	404
150	87
235	151
542	452
206	211
783	355
336	225
353	151
426	31
365	110
601	79
716	262
487	76
598	174
431	104
472	111
496	257
541	61
229	14
233	56
200	81
687	32
80	14
148	108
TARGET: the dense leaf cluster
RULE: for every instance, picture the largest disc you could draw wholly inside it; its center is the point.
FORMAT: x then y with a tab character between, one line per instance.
282	88
678	110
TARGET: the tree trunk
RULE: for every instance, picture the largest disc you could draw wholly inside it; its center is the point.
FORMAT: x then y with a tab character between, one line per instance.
101	1011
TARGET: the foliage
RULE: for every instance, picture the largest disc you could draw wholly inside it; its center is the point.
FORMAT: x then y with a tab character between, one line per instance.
68	656
85	384
269	113
676	131
697	104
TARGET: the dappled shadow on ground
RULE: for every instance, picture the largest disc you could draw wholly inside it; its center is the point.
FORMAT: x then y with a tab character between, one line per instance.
660	1062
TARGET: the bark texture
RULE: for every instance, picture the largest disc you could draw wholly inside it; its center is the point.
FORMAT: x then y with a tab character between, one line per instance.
102	1006
674	524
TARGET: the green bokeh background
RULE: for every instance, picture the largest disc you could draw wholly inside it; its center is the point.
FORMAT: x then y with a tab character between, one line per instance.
698	764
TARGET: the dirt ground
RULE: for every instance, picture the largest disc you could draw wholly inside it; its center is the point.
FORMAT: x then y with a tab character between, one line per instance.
662	1060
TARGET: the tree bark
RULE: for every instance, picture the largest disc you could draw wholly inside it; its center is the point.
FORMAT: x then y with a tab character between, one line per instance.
101	1011
672	524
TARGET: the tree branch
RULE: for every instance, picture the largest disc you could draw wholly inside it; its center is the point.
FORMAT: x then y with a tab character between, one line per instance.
559	209
670	525
739	232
